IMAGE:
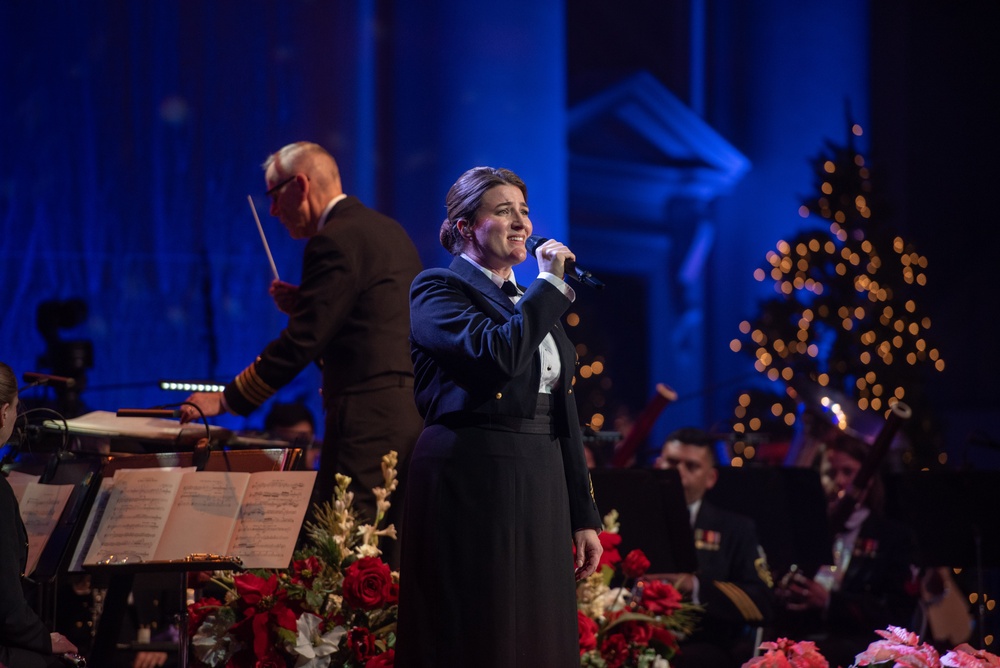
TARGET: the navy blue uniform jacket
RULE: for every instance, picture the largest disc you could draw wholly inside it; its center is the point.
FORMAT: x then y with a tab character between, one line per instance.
495	372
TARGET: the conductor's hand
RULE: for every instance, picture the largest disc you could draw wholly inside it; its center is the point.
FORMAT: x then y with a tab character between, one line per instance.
60	645
285	295
588	552
210	404
552	256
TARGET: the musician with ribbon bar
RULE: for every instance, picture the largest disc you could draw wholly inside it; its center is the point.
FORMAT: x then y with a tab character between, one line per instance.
733	581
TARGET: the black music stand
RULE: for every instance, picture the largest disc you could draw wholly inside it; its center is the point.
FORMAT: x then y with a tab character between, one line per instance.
652	514
59	468
119	586
789	508
72	468
953	517
120	577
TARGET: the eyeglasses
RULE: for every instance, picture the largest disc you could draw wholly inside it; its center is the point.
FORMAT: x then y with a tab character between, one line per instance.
272	192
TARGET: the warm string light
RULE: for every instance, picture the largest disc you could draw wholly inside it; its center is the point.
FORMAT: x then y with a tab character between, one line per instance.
591	370
842	316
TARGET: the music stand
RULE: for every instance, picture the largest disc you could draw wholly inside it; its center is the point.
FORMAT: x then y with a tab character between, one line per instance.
947	511
652	514
73	468
952	515
788	506
276	459
58	468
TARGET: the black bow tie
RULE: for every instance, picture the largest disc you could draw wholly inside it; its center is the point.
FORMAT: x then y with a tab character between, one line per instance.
510	289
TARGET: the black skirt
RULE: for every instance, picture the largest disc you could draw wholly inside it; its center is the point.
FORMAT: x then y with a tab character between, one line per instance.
487	566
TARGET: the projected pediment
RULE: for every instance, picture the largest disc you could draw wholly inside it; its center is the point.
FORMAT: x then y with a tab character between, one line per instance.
639	146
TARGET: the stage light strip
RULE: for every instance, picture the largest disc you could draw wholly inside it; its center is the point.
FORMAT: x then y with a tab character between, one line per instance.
191	386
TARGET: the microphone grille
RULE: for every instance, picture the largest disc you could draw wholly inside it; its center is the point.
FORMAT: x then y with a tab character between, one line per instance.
533	242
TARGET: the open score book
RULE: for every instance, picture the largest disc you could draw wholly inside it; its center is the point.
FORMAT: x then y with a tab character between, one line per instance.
143	515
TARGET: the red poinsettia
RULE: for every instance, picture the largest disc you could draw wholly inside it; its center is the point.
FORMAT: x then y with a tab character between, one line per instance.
265	610
899	646
304	571
383	660
967	656
785	653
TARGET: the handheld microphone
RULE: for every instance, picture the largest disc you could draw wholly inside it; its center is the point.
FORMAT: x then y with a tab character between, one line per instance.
47	379
572	270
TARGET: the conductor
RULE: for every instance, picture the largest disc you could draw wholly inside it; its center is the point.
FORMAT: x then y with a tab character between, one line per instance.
350	314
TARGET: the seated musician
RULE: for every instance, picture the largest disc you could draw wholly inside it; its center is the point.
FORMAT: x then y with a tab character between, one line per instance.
295	423
25	642
733	582
870	583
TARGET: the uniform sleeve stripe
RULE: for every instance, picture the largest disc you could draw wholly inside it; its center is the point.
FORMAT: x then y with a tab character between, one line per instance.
741	600
253	389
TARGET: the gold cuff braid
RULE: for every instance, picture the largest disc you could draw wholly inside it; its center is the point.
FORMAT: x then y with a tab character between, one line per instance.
253	389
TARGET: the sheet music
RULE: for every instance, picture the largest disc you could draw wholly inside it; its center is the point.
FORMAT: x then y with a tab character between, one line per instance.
274	506
135	516
203	514
19	482
41	507
91	526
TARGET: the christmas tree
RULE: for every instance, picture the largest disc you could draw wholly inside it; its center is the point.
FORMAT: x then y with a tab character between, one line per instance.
845	320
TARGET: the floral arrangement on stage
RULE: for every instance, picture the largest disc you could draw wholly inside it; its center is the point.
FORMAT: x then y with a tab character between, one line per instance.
335	606
898	648
635	625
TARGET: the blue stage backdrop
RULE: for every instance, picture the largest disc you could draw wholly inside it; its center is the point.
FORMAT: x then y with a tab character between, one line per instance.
134	131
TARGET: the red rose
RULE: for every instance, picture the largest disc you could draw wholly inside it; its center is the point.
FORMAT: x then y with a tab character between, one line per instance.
384	660
609	541
635	565
270	660
666	639
362	643
198	611
614	650
636	632
393	597
367	583
660	598
588	632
